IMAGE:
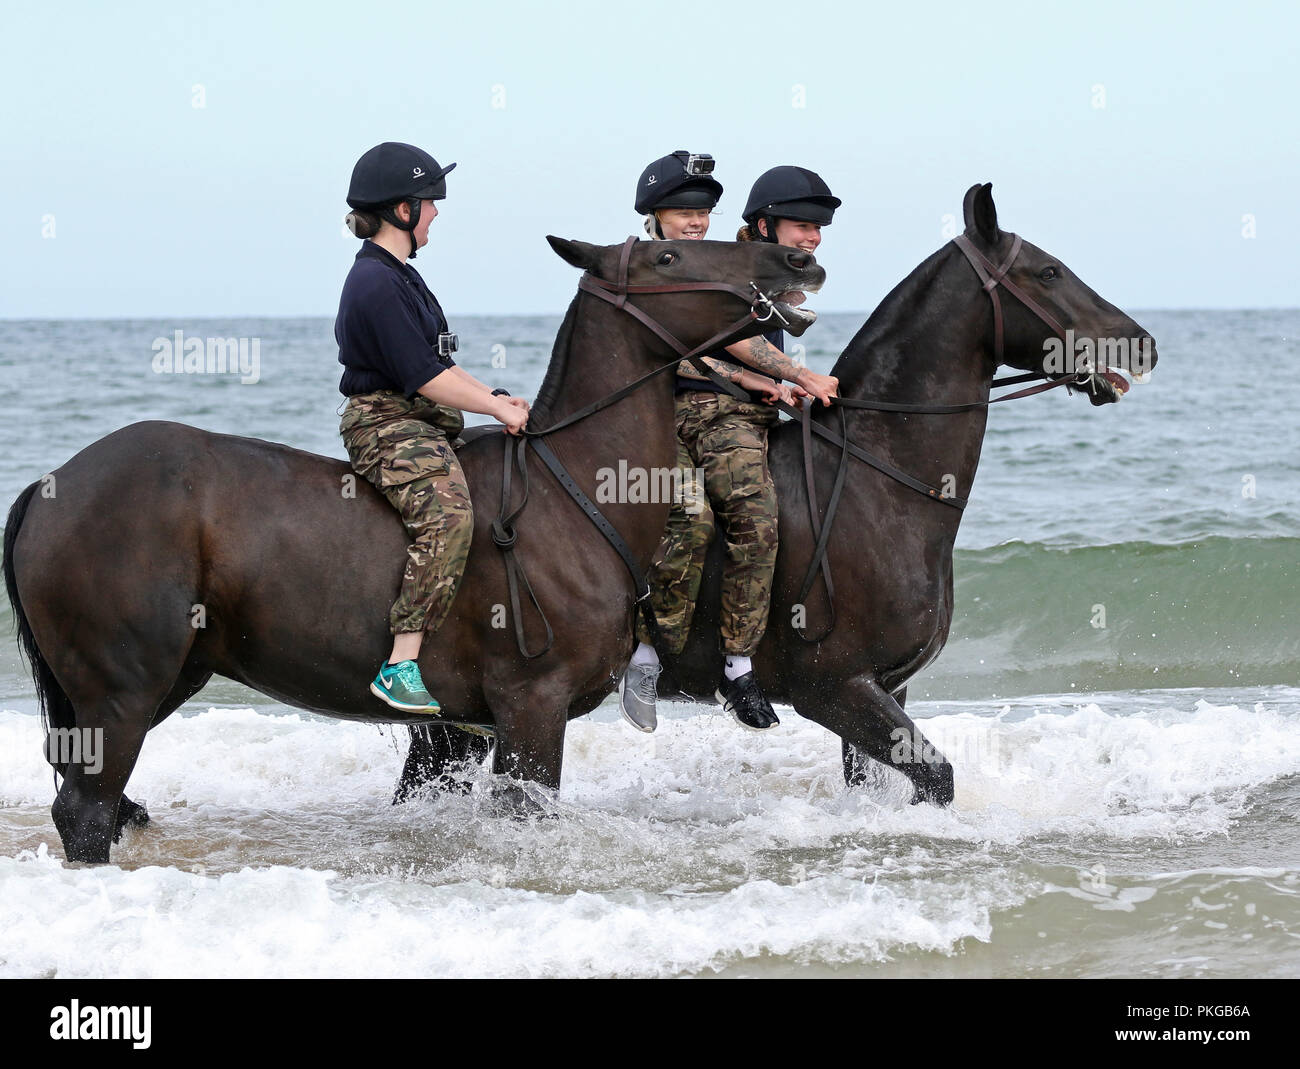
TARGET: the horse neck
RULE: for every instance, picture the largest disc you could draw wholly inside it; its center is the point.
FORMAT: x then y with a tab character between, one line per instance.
924	345
599	350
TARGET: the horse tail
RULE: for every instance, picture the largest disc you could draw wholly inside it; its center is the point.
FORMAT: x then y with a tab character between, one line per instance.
56	706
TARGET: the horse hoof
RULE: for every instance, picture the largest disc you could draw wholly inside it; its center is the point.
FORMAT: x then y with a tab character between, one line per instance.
443	784
518	802
129	815
936	787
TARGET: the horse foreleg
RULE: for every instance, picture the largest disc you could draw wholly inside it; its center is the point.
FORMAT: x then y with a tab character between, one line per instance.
529	748
871	725
434	750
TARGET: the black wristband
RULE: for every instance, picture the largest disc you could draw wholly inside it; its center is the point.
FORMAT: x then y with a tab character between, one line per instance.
498	392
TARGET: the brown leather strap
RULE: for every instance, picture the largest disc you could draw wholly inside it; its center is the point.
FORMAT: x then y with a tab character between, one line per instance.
947	410
821	528
992	277
504	536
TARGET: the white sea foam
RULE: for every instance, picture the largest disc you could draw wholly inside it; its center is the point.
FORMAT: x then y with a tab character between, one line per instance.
290	922
274	850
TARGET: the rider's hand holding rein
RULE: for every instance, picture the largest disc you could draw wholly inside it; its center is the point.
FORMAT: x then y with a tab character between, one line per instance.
458	388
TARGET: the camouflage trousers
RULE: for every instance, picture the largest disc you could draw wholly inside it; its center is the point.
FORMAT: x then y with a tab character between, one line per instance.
402	448
727	438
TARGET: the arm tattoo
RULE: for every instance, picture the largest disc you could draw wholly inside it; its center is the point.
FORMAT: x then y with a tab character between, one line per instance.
762	355
725	368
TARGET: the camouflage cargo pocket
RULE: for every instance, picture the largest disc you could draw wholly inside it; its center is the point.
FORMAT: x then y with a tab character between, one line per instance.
408	450
735	473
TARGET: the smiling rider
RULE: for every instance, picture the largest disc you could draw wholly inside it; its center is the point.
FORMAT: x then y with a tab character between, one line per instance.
726	438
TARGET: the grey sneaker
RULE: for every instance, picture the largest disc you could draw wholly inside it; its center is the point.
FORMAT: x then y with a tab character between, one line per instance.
636	696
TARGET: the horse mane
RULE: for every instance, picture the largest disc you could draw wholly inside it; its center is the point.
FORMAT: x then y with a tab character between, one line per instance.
900	302
549	393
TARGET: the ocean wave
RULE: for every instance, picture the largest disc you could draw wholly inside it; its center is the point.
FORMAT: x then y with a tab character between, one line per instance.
1031	618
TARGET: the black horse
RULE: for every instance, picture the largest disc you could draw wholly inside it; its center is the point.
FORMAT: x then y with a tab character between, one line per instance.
165	554
933	341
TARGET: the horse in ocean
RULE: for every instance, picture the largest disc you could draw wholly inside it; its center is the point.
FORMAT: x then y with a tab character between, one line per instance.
163	554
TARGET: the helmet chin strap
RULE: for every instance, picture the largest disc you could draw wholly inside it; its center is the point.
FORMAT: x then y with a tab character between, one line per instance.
390	214
770	236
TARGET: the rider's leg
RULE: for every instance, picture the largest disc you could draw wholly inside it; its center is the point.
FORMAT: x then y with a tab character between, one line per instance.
411	462
674	577
740	487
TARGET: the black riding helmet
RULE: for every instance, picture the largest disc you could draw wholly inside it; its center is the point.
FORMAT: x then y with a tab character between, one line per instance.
790	193
666	183
394	172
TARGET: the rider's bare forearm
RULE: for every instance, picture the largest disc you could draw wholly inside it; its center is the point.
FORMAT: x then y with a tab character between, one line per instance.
761	355
749	380
460	372
454	390
725	368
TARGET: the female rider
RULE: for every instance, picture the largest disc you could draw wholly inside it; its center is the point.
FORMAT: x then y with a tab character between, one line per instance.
404	395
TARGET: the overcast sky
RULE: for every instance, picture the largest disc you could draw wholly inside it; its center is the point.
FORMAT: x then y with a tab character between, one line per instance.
175	159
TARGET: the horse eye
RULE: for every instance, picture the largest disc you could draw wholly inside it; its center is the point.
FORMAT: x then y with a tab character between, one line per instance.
667	258
1048	274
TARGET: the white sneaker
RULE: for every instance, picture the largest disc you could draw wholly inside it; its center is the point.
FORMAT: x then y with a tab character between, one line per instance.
637	691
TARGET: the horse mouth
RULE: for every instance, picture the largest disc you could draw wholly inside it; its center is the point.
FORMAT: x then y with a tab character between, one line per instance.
1107	385
788	302
797	319
1106	382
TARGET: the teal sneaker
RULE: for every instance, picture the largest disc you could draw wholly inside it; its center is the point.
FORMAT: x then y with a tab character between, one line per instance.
401	687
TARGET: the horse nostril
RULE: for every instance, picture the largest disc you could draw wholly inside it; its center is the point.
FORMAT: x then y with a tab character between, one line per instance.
799	260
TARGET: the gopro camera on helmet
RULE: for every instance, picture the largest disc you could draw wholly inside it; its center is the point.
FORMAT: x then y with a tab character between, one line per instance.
448	343
699	164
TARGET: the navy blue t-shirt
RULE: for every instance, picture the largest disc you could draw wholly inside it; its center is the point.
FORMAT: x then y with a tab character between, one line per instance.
387	327
685	384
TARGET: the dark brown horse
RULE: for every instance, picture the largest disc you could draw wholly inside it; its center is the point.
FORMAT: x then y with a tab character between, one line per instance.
932	341
165	554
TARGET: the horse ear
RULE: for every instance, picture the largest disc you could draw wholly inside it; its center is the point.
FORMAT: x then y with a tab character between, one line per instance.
980	213
577	253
